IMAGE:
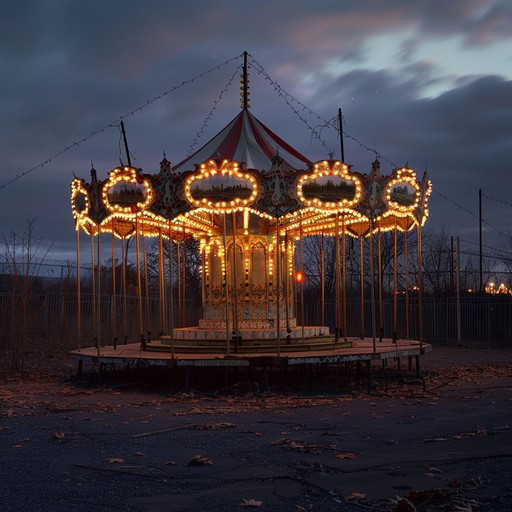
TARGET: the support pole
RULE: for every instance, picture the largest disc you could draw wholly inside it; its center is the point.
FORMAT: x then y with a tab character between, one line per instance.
372	287
406	257
161	282
235	286
225	281
114	291
340	121
126	144
171	286
344	270
457	282
287	288
361	281
78	290
379	274
139	278
322	278
481	259
178	274
125	308
93	283
146	281
337	281
395	282
98	311
278	288
420	289
301	284
184	280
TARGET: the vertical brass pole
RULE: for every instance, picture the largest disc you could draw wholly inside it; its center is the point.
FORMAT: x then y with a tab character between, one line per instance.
337	280
139	278
379	274
184	280
361	280
146	281
171	287
406	257
125	309
395	282
372	287
287	286
322	278
344	270
161	282
278	288
78	290
178	273
420	289
98	310
114	291
225	280
301	284
93	283
235	284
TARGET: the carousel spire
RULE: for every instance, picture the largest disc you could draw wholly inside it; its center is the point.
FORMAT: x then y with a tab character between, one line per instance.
244	86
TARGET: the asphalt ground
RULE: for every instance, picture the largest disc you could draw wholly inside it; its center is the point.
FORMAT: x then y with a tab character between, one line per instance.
126	444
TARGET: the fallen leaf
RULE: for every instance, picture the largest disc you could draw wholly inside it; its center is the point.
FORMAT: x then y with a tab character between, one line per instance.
346	455
171	463
356	496
115	460
454	482
251	503
59	435
200	460
139	454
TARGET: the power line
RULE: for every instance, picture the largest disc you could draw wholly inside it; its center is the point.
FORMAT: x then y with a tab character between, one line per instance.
116	123
496	199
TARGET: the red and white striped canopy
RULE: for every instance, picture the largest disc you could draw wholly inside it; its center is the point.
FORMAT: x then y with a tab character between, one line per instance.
246	139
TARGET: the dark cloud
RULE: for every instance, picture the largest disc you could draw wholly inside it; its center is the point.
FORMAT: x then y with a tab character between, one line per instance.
70	68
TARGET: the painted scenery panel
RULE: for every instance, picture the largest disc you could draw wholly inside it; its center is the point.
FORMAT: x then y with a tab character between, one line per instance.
127	194
330	189
403	194
80	202
221	188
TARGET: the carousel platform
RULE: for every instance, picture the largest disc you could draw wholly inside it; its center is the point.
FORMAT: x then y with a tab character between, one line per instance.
217	354
264	356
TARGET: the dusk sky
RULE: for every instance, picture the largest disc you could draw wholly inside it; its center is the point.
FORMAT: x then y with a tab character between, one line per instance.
428	83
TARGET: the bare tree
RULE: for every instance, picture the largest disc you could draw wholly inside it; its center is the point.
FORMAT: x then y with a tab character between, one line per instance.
22	256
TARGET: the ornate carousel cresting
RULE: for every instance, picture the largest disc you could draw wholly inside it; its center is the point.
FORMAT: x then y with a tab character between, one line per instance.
250	201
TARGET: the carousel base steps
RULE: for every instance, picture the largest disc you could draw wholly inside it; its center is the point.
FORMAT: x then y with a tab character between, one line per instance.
245	347
262	334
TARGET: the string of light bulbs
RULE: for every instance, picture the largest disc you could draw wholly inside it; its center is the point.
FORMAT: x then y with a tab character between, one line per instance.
115	123
210	114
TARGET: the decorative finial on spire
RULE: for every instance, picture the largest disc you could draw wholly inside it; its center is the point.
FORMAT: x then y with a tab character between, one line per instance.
244	86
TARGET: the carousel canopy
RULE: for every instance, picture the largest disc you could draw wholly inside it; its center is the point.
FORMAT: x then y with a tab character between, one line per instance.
246	139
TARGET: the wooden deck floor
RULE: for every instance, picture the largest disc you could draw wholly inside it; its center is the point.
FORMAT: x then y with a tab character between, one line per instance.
359	350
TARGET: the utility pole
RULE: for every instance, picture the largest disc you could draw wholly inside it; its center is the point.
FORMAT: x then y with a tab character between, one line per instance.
126	144
480	232
340	120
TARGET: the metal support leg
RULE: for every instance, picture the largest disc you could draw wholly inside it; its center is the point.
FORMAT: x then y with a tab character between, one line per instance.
369	376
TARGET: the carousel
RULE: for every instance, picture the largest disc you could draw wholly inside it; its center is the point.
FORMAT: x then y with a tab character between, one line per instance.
249	201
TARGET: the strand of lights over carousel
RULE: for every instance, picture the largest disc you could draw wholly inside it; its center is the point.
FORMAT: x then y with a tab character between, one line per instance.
251	201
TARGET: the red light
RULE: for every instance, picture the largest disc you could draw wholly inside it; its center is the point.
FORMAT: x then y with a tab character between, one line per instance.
299	277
